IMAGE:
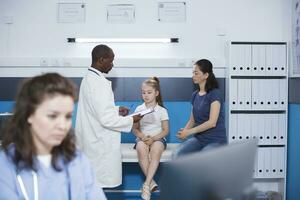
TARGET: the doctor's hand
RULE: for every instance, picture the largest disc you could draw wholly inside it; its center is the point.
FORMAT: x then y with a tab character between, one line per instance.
182	134
123	111
137	118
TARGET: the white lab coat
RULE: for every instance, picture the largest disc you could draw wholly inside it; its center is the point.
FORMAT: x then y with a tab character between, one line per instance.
98	127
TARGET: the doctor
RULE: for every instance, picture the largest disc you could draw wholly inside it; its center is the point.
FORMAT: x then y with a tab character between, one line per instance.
39	159
99	121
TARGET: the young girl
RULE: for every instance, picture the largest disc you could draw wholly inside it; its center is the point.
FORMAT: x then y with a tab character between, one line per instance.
206	122
151	132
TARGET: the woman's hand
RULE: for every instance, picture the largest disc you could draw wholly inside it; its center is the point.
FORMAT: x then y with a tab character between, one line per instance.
182	133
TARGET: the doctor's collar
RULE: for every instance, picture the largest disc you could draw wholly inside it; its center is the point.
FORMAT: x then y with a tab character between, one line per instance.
94	70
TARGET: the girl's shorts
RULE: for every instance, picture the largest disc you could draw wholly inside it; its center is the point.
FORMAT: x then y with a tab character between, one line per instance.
163	140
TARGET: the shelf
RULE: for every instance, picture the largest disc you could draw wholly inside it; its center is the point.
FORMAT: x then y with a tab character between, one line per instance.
257	111
257	91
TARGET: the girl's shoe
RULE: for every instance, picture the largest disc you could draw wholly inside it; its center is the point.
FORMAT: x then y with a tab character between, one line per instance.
153	186
146	194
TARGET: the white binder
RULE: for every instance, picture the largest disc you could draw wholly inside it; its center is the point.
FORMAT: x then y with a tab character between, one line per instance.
274	129
244	94
240	127
282	60
269	87
267	162
274	162
247	125
233	93
275	94
282	94
233	128
277	64
258	59
236	60
281	160
248	94
262	60
270	59
254	94
247	60
255	169
260	162
255	127
260	93
282	128
268	128
261	127
255	60
241	95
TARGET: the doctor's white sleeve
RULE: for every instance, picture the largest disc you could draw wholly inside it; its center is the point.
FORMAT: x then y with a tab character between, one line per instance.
107	112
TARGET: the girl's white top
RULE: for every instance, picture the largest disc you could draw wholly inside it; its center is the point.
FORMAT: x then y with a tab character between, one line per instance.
150	124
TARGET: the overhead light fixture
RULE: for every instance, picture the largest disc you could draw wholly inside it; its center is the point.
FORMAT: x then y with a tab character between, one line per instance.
123	40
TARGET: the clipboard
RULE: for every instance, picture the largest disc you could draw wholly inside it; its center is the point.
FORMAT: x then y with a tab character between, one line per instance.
143	112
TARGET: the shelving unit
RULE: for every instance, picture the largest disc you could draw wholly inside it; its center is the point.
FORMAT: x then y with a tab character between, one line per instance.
257	94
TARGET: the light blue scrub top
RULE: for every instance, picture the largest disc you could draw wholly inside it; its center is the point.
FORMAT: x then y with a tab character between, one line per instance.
74	182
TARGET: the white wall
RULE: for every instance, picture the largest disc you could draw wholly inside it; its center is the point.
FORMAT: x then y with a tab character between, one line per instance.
35	33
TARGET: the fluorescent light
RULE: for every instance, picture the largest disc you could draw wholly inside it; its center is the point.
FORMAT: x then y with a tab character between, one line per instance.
124	40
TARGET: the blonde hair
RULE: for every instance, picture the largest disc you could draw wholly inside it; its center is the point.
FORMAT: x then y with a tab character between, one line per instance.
154	83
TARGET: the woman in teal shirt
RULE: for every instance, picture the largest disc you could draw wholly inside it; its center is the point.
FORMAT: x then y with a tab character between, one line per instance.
38	158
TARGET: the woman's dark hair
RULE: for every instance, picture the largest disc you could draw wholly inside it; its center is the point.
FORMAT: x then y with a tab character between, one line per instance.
17	132
205	66
154	83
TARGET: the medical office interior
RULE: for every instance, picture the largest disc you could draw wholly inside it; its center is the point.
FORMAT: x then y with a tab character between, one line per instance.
251	43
